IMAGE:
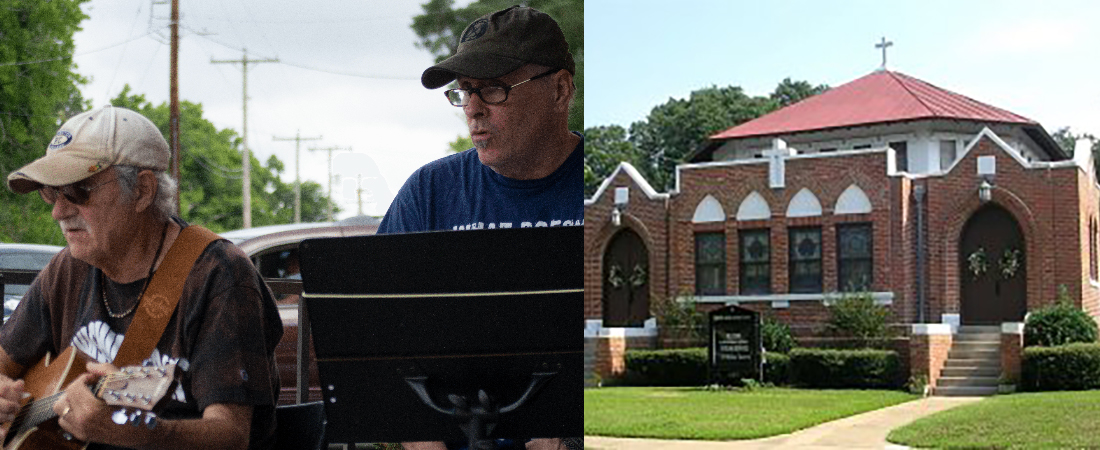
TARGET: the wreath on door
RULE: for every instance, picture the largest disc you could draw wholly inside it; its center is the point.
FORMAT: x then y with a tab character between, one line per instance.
978	262
1010	263
615	276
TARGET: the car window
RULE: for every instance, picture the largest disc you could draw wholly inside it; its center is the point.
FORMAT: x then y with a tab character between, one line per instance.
279	263
21	260
24	260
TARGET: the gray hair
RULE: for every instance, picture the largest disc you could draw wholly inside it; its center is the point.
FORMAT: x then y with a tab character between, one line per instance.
164	204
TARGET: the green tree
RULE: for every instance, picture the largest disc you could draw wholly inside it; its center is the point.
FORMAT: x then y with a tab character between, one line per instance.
790	92
38	88
1067	140
441	25
677	129
211	173
604	148
461	144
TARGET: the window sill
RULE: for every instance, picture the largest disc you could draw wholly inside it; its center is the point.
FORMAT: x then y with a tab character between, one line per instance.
780	300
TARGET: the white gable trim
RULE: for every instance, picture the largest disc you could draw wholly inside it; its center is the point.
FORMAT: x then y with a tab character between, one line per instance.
634	175
709	210
804	204
986	132
754	207
852	201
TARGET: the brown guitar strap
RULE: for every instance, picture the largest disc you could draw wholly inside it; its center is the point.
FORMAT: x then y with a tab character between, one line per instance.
162	296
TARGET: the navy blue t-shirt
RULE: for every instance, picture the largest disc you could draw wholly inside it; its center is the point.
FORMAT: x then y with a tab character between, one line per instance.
458	192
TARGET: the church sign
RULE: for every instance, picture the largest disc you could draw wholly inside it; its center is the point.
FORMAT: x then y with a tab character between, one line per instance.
735	351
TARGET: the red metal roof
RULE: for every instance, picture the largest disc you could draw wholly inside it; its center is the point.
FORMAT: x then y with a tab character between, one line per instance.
883	96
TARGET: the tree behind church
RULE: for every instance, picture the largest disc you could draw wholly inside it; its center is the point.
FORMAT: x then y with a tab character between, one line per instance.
674	130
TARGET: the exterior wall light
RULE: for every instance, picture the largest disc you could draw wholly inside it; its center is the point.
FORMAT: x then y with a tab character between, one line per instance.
985	191
622	198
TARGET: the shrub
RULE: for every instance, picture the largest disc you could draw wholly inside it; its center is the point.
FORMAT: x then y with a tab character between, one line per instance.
832	368
776	336
1059	324
677	367
777	368
682	315
857	316
1065	367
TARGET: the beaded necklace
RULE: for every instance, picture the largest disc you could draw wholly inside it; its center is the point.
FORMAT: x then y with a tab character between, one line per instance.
103	282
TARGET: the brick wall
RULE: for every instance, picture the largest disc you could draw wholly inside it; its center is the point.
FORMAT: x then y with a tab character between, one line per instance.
1012	347
1046	205
1052	207
611	353
645	216
928	354
825	177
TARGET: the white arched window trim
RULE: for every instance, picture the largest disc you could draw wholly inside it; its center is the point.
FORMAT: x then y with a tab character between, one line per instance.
709	210
754	207
804	204
852	201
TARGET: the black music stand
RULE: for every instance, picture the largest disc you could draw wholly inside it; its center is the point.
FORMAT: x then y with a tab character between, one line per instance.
468	335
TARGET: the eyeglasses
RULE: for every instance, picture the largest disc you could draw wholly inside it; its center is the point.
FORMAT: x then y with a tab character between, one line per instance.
493	95
77	195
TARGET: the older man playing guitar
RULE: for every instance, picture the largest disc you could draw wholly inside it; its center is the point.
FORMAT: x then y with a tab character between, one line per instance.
136	286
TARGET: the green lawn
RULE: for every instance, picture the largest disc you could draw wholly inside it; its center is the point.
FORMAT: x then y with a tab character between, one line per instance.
695	413
1033	420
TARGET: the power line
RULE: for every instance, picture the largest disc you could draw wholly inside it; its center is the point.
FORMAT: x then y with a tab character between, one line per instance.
216	170
59	58
316	69
351	74
297	168
300	22
246	186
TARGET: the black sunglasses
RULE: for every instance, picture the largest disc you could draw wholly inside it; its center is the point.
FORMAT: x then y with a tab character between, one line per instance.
77	195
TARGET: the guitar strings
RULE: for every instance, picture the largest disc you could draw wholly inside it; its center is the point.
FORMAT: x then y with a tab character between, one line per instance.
42	409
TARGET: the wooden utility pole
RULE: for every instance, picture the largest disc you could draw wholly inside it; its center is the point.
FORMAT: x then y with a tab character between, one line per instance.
246	165
174	100
328	202
297	172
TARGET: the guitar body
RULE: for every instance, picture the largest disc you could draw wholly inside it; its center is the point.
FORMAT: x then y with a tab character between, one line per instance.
46	378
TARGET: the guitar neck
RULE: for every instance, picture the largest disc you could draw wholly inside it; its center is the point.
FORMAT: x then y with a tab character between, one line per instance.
41	410
35	413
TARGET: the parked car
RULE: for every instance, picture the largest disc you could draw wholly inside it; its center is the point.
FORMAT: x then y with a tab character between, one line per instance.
22	257
274	251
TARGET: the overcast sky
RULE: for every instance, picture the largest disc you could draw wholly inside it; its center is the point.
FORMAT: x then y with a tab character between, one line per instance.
348	72
1040	60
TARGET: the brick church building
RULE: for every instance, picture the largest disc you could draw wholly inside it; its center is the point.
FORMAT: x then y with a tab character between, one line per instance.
948	211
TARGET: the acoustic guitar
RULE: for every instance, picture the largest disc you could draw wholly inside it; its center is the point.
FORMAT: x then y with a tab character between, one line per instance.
137	391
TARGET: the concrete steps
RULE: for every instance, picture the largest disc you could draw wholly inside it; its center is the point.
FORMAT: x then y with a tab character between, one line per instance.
973	366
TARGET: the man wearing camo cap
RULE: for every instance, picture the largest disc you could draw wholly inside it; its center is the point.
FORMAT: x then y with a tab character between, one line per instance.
515	86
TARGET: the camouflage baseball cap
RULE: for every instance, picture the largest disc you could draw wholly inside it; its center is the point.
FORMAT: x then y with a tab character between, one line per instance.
498	43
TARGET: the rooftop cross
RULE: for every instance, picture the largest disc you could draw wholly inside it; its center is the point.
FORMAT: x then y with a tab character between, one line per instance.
883	44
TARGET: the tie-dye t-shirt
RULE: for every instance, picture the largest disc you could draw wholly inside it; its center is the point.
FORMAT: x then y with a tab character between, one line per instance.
223	333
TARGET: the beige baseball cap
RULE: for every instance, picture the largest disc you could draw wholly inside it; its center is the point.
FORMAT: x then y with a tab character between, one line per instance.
89	143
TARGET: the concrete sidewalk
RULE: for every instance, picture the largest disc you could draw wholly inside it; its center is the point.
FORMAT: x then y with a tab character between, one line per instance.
863	431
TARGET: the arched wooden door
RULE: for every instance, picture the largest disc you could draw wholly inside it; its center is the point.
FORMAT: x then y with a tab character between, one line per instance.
625	281
993	276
